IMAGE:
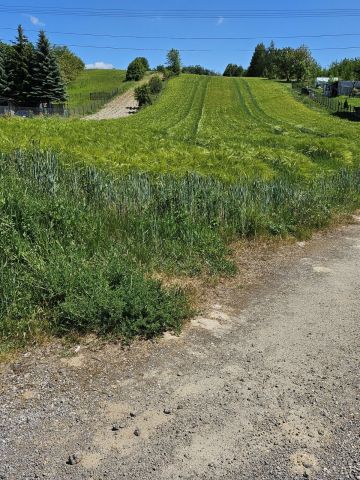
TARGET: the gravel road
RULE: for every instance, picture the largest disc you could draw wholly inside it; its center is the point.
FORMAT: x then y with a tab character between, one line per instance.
263	385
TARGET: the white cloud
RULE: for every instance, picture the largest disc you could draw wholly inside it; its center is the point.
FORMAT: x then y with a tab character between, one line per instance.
99	65
220	20
36	21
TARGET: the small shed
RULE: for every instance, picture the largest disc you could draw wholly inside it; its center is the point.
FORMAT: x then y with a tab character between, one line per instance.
322	81
346	87
342	87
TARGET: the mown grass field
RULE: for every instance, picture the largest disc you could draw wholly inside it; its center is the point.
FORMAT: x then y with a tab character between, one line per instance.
85	227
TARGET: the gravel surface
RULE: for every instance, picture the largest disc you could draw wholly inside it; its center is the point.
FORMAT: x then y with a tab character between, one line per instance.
121	106
263	385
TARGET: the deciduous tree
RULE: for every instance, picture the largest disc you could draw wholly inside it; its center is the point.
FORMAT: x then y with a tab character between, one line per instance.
174	61
233	70
136	70
70	64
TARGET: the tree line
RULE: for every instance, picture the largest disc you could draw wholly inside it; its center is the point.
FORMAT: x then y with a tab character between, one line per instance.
292	64
277	63
347	69
34	75
138	67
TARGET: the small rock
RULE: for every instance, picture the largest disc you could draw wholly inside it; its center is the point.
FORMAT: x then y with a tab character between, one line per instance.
167	411
137	432
132	414
117	426
75	458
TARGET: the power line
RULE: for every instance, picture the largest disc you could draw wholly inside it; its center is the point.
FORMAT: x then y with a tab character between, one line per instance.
143	37
184	13
136	49
105	47
165	50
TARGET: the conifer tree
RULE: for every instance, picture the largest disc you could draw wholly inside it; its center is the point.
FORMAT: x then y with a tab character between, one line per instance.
4	90
48	85
258	62
20	70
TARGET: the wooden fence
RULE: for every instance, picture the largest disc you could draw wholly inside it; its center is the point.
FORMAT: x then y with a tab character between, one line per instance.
337	107
92	102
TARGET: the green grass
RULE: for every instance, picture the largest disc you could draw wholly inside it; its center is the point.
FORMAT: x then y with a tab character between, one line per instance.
85	227
78	246
354	101
213	126
90	81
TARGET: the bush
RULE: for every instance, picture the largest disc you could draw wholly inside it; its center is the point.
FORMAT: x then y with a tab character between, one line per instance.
155	85
136	70
143	95
145	62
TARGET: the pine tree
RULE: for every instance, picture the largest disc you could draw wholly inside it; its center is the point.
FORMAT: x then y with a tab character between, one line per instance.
48	85
20	70
258	62
4	90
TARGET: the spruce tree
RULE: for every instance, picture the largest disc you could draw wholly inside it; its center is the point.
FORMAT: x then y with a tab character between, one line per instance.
4	90
20	70
258	62
48	85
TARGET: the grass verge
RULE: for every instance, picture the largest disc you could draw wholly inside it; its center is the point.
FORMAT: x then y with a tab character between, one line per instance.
79	247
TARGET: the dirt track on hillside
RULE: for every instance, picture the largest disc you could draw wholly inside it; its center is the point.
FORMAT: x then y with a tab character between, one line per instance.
121	106
263	385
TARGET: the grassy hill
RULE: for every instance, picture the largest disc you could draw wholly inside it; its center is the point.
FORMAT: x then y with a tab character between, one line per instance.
90	81
211	125
89	211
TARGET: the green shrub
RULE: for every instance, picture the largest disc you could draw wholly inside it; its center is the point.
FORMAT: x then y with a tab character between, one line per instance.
143	95
155	85
136	70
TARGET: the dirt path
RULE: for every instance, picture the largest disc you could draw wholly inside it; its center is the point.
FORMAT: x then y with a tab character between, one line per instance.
264	385
121	106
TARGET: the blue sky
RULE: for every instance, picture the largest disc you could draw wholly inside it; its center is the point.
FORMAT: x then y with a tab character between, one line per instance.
221	52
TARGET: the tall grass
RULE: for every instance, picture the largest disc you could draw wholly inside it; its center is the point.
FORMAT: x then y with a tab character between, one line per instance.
78	245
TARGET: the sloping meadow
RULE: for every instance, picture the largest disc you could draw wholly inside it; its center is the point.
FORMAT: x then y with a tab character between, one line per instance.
79	246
